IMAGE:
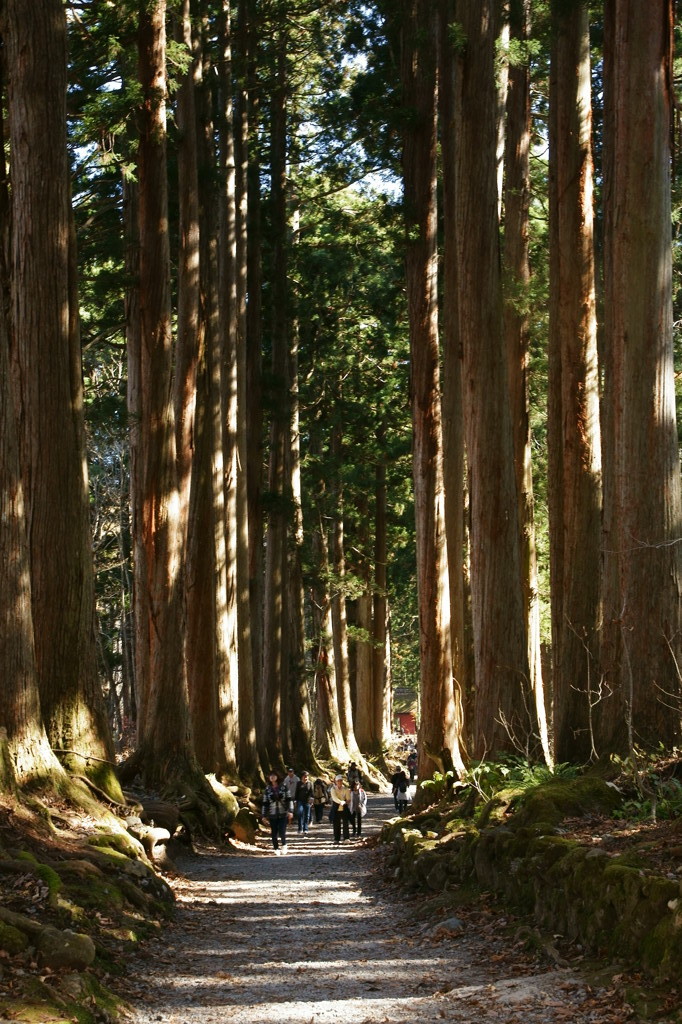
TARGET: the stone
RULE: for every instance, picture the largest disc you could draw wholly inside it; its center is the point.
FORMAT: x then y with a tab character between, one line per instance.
65	949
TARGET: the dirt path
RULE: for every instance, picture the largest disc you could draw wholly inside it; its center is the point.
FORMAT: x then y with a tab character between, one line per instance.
317	938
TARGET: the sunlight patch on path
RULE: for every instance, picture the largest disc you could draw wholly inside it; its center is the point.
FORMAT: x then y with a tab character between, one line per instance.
306	939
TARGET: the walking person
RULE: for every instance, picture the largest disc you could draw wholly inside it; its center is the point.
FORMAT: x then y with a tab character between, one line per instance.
402	794
277	811
291	781
399	784
339	795
320	799
357	807
304	803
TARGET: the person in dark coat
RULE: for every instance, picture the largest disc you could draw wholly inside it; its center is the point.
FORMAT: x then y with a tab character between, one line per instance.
304	803
277	812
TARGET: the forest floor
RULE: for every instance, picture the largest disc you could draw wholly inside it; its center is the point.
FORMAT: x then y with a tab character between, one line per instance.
324	935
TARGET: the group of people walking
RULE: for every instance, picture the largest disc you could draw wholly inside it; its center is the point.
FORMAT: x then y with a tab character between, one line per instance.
284	799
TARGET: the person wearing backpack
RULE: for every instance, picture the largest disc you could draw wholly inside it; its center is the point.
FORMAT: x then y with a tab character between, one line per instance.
320	798
402	794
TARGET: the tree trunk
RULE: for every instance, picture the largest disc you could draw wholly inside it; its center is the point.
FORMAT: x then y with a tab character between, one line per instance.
166	750
300	736
440	728
248	752
20	713
503	719
381	675
47	387
642	643
573	402
276	531
364	717
186	357
253	371
453	422
517	279
228	680
328	732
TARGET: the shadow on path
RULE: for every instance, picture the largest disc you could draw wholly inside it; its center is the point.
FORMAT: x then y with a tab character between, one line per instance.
310	938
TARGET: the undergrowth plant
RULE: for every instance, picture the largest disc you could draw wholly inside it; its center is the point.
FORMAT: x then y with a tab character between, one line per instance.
490	776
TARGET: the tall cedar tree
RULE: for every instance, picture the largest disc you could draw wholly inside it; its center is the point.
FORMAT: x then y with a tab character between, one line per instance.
504	718
46	378
165	746
441	723
516	197
453	422
27	744
573	399
274	616
642	649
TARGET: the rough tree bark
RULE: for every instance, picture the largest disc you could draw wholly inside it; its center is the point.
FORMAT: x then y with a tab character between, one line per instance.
47	387
642	648
440	728
165	745
516	323
504	718
573	398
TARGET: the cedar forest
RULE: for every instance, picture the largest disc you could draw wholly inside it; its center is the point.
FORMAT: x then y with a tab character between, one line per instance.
339	345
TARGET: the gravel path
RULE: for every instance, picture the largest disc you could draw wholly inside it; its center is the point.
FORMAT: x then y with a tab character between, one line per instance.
317	937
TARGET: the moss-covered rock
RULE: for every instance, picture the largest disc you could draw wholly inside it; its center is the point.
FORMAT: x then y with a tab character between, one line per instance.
245	826
12	940
58	949
226	797
608	904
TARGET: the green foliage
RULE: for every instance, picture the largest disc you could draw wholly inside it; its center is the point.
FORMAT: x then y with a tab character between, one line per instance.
652	792
491	777
511	771
437	785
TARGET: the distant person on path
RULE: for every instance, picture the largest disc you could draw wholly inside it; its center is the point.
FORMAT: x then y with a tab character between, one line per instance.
398	782
291	781
304	803
412	764
339	816
277	811
402	795
353	774
320	798
357	807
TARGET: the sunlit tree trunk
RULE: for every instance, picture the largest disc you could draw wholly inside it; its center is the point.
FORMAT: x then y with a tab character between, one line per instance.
362	655
253	370
165	742
299	729
47	386
381	670
642	640
453	423
441	724
228	680
573	402
276	529
328	732
516	281
20	713
184	376
248	753
503	712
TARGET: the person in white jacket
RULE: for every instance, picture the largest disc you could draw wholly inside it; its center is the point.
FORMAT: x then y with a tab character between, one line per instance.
339	815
